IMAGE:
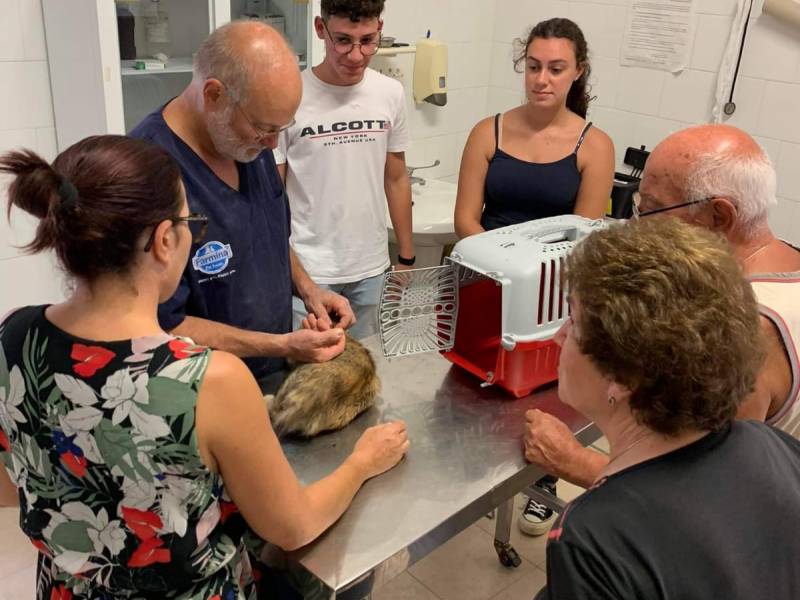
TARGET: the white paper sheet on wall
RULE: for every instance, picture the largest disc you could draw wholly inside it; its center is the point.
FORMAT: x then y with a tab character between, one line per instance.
659	34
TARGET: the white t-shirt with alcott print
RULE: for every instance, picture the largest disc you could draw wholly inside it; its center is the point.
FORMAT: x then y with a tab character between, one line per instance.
336	154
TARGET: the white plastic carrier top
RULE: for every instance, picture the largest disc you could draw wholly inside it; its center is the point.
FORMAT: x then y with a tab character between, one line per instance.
525	259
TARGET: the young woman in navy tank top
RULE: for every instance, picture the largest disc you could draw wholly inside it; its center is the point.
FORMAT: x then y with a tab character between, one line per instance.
540	159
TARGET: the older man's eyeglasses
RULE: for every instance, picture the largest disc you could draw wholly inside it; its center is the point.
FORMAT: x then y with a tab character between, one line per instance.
637	202
262	133
344	45
197	223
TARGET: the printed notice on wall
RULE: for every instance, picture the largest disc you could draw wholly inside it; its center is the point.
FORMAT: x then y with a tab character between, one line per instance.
659	34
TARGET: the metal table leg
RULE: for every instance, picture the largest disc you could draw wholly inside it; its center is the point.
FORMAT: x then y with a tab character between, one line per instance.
542	496
502	535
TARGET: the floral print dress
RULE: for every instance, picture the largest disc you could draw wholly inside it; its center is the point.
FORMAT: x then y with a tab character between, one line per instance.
99	437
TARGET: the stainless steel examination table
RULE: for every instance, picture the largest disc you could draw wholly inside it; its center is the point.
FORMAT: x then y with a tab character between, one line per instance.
465	460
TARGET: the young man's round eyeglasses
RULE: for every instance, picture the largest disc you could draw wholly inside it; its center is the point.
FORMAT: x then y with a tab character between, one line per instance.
346	46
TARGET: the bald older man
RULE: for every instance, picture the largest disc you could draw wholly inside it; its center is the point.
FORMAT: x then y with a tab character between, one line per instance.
717	177
236	291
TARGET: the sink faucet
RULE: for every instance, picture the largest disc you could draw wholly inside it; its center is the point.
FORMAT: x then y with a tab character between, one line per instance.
413	178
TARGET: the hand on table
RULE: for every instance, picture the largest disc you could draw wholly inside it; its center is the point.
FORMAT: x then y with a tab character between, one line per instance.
549	443
380	448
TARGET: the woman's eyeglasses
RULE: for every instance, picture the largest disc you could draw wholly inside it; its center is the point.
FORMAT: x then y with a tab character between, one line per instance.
197	223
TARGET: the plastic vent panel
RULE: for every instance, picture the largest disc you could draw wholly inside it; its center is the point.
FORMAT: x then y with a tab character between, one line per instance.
418	310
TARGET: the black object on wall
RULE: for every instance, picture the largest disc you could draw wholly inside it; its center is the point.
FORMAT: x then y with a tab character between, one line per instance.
622	195
125	30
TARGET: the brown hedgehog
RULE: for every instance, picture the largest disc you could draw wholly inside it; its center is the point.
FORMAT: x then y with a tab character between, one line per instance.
318	397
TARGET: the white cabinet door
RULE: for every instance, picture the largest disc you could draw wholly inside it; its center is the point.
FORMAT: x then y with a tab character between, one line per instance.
95	92
83	57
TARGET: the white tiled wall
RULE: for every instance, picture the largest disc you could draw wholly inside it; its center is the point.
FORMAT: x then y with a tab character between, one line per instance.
466	27
638	106
26	120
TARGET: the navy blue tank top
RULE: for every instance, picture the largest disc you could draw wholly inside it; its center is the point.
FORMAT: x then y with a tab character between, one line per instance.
517	190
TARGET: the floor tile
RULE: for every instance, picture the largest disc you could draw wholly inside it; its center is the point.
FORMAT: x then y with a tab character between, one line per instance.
602	445
404	587
525	588
568	491
16	551
9	521
531	548
15	556
467	568
21	585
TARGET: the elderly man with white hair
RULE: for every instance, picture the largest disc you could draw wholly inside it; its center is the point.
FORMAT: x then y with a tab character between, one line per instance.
236	290
719	178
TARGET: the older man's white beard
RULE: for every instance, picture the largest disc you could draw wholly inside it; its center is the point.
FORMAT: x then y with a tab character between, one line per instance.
226	142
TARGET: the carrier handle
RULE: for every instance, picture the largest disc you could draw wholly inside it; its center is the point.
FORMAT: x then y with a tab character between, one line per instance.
557	236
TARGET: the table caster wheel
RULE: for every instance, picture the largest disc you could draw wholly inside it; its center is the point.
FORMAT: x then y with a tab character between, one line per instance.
507	555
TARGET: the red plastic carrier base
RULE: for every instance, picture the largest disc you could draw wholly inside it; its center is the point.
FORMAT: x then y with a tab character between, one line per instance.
477	345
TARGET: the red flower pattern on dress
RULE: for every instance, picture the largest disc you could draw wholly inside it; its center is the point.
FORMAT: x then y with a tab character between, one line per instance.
60	593
226	509
181	349
74	464
137	539
90	359
41	547
149	552
143	523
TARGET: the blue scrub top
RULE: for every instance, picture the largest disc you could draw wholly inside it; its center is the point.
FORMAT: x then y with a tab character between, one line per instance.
240	274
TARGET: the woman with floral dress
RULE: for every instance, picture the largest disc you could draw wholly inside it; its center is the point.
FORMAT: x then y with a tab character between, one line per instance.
139	460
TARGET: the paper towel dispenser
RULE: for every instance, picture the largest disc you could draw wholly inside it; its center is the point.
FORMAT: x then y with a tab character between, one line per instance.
784	10
430	72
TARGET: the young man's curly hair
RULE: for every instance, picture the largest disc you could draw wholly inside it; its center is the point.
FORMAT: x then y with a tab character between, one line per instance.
666	311
355	10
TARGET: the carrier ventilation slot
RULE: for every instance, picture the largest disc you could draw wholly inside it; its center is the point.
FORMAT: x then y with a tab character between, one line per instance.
562	300
552	287
540	313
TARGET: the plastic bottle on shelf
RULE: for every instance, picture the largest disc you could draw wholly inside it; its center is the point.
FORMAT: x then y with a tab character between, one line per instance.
126	30
156	26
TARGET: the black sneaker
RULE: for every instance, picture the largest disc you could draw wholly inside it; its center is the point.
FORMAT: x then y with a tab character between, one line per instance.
536	519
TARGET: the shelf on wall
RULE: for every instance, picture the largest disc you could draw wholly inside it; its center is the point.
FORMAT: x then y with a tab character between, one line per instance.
398	50
174	65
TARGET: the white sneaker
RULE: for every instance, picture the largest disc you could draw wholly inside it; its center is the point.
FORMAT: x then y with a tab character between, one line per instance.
536	519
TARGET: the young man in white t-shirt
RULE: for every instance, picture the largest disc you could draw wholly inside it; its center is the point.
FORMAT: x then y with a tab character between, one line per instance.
343	156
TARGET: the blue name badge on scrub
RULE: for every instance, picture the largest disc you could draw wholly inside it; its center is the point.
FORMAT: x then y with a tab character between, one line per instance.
212	258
